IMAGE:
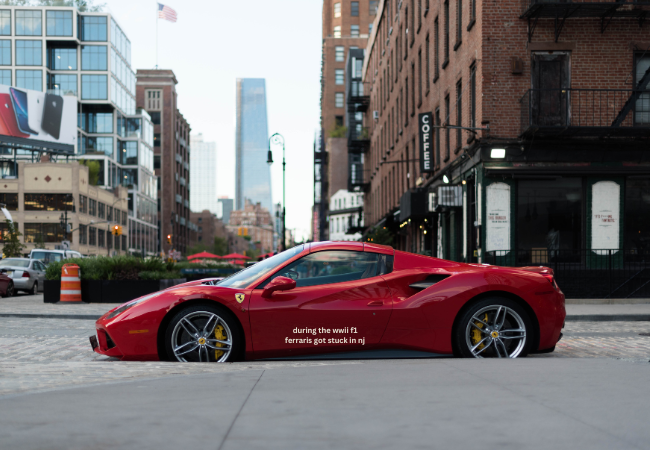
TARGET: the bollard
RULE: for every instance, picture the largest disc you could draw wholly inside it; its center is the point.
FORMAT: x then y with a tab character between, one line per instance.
70	283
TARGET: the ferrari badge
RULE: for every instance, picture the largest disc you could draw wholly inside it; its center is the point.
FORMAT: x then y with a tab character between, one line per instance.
239	297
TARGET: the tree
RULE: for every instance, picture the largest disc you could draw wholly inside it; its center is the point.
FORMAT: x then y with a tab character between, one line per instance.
39	242
220	246
380	236
93	170
81	5
12	245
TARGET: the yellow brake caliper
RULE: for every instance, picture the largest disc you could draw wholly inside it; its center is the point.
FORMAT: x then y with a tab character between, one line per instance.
219	334
476	334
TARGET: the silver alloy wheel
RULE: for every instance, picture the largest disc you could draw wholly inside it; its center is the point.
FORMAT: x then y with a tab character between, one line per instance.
503	334
194	340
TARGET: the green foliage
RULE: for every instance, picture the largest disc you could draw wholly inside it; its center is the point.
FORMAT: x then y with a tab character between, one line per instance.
380	236
93	170
39	242
340	131
12	246
159	275
220	246
81	5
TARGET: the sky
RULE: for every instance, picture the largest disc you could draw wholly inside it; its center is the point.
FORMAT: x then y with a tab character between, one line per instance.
213	43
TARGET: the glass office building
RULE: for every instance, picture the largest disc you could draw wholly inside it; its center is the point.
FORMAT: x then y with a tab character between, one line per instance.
63	51
203	167
253	177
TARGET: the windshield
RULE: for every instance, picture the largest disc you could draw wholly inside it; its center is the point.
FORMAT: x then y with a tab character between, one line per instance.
47	257
244	277
14	263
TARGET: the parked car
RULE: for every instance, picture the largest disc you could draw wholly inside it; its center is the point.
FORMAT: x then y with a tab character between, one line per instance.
333	297
47	256
6	284
28	275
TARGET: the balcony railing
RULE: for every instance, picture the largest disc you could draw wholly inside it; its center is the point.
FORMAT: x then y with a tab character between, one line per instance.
358	177
586	273
583	8
585	113
358	139
358	96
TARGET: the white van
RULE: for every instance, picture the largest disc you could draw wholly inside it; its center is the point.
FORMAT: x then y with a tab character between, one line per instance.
47	256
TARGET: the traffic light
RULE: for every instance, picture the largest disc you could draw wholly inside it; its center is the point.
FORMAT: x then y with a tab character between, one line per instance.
116	230
169	238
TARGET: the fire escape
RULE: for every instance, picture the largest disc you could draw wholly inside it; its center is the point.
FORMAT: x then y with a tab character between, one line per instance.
358	101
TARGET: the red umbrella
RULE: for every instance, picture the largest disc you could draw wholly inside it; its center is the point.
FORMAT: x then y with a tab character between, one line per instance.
203	255
235	256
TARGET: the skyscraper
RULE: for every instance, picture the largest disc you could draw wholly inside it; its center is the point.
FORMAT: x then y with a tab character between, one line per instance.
253	175
203	167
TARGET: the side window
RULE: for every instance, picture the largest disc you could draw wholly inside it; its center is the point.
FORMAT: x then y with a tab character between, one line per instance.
335	266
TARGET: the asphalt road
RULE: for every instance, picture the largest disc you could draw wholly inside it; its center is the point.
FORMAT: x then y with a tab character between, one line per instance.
435	403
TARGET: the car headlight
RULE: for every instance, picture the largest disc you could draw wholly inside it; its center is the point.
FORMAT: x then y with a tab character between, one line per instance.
130	304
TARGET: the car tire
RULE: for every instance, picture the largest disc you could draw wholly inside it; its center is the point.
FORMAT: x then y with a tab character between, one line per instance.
196	334
34	289
10	292
494	327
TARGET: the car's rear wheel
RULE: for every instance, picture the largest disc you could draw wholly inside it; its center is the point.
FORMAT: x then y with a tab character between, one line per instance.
494	328
203	333
34	290
10	292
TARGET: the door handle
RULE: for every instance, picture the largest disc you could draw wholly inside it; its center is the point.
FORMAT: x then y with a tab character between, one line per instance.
376	303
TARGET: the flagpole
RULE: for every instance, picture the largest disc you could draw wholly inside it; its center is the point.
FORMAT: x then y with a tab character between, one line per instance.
157	8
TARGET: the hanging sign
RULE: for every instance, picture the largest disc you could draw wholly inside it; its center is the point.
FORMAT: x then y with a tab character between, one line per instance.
426	133
605	218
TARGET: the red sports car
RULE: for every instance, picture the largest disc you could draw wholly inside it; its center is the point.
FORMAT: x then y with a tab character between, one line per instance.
336	297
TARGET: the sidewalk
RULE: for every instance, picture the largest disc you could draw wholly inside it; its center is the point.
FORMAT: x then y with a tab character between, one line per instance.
32	306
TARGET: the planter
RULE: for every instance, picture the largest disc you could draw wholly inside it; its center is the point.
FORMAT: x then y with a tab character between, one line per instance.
109	291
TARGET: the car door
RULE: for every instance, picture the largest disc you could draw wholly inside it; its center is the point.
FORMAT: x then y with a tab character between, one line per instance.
340	303
40	268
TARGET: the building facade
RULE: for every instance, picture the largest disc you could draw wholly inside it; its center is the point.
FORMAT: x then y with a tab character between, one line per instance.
209	227
203	167
62	51
255	224
253	174
224	208
156	94
346	216
511	132
45	195
346	25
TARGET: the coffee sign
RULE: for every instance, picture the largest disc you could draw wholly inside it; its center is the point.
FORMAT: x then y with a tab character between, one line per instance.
425	121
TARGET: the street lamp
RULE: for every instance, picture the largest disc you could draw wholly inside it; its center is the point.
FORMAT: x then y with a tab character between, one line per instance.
278	139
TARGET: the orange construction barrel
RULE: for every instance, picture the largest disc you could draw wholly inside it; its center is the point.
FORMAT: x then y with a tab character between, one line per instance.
70	283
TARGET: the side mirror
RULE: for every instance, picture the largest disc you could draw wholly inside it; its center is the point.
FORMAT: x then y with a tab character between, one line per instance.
278	284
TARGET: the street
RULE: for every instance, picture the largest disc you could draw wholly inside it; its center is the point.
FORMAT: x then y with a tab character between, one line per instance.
57	393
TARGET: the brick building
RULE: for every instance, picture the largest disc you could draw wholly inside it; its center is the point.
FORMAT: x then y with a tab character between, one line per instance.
544	115
346	25
156	93
253	222
208	226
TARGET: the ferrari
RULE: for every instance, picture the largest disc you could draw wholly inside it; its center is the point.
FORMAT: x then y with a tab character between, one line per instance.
331	299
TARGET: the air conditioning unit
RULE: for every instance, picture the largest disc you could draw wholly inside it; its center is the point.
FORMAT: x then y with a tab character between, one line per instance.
375	115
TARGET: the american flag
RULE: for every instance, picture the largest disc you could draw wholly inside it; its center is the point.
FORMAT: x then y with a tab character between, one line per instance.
165	12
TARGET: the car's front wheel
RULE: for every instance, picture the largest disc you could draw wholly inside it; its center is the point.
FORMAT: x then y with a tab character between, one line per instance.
494	328
203	333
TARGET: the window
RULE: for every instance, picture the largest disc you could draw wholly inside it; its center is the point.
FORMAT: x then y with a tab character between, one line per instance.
10	200
354	9
412	89
29	53
447	112
93	57
637	216
339	76
83	234
62	84
97	146
101	235
92	207
373	4
419	77
354	31
446	38
96	122
406	102
459	114
128	152
642	105
472	96
92	236
338	100
5	77
437	136
337	31
339	53
123	243
472	13
109	213
459	23
156	161
153	100
419	14
338	120
59	23
83	204
29	23
337	10
5	53
62	58
5	23
93	28
155	117
94	87
369	28
436	50
48	202
101	210
330	267
29	79
48	232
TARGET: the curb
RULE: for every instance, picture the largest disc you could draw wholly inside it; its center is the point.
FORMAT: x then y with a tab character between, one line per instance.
53	316
608	318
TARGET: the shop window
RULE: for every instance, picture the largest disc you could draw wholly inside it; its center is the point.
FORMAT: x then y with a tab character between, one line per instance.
637	217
